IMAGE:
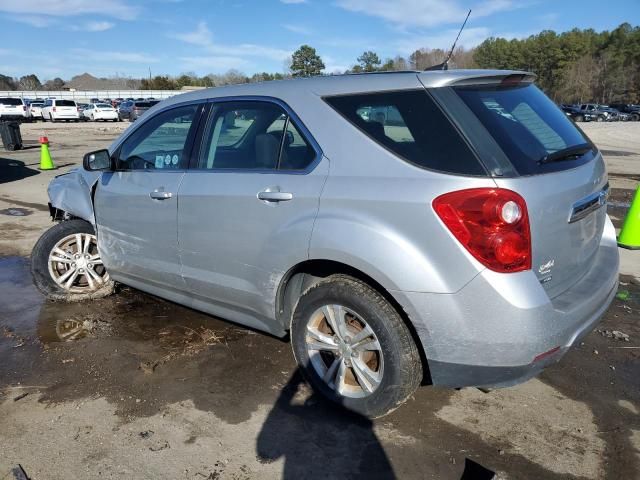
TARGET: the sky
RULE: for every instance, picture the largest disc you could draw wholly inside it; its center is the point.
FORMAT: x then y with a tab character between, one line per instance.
62	38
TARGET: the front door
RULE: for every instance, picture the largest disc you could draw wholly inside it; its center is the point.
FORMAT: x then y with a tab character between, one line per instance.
136	206
247	208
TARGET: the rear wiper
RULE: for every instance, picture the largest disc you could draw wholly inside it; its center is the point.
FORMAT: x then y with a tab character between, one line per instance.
566	153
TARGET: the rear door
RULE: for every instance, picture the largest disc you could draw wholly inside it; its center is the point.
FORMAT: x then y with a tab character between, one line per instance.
247	207
557	170
136	206
66	108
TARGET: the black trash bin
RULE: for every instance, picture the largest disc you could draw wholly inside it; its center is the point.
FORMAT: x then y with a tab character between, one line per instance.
11	137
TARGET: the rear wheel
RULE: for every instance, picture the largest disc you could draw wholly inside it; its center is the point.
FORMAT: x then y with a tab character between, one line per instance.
600	118
353	347
579	118
66	264
52	119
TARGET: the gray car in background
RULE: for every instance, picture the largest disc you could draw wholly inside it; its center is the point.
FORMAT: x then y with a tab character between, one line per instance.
446	227
131	110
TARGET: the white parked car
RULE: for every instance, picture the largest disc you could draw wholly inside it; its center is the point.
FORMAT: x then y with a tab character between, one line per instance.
34	110
100	111
12	108
55	109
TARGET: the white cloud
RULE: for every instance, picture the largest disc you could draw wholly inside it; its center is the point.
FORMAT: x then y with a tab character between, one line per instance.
36	21
203	37
422	13
99	26
200	36
213	64
113	56
67	8
93	26
470	37
297	29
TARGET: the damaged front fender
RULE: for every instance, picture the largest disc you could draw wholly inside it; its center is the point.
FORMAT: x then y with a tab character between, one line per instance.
72	193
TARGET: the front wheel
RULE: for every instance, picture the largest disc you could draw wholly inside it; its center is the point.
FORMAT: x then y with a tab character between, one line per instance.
66	264
353	347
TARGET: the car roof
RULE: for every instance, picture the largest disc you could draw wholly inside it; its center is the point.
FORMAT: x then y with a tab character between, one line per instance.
351	83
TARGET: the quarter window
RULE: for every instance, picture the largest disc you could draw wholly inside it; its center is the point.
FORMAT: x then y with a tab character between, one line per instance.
159	144
253	136
410	124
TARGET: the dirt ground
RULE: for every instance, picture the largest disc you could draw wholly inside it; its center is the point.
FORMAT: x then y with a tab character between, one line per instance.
132	386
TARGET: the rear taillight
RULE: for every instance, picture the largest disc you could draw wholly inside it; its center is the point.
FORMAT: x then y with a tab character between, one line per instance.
24	108
54	109
491	223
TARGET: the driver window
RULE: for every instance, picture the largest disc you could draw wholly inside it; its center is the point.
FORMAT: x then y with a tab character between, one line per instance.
160	143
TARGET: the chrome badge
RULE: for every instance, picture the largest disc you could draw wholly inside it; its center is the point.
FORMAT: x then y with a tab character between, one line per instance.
546	267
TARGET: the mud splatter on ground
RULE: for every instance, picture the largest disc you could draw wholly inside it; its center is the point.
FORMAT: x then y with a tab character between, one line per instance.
134	362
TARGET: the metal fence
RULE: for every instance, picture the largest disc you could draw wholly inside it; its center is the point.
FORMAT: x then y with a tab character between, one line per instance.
85	95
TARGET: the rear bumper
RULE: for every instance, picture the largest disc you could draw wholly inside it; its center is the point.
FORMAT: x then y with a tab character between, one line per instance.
498	330
7	117
105	116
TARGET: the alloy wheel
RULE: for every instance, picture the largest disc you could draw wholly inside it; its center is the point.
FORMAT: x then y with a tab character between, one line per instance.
75	264
344	351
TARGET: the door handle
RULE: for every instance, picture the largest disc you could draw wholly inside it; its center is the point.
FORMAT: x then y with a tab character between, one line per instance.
160	195
275	196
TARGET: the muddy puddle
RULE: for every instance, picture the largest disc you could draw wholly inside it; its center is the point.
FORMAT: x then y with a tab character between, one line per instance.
132	346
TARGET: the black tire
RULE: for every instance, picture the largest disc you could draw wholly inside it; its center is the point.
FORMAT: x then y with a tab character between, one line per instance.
579	118
600	118
402	362
40	263
52	119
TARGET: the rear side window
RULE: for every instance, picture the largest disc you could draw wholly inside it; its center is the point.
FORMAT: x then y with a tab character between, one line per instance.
65	103
10	101
527	126
252	135
412	126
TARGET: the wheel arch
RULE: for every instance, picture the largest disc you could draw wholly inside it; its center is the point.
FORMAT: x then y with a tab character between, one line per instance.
309	272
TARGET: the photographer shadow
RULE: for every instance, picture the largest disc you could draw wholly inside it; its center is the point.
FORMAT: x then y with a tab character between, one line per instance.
318	440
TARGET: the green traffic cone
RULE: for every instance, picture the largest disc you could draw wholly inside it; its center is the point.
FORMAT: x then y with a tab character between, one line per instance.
630	234
46	163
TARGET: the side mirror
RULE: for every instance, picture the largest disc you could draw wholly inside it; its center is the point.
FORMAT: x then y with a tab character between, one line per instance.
96	161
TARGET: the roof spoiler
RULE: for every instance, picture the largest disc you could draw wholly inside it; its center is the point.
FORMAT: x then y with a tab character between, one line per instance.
505	79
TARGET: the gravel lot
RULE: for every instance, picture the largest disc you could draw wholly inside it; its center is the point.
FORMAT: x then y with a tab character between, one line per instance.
141	388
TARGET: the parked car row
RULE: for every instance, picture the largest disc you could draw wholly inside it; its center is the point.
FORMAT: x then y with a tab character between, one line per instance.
53	110
593	112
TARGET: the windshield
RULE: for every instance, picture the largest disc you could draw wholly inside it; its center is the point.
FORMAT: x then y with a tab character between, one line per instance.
527	126
10	101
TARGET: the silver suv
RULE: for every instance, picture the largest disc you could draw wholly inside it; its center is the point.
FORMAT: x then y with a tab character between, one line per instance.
445	227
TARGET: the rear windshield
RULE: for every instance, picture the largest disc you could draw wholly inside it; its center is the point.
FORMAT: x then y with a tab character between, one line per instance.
527	126
409	124
10	101
103	105
143	104
65	103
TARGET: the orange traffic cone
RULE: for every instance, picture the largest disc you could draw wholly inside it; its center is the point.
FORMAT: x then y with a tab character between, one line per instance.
46	163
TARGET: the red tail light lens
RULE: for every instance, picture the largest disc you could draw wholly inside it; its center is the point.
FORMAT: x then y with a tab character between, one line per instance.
491	223
54	109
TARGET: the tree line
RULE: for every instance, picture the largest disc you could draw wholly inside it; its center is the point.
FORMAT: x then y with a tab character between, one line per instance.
574	66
